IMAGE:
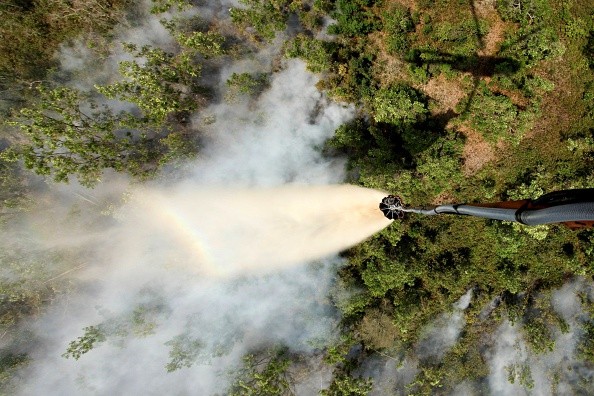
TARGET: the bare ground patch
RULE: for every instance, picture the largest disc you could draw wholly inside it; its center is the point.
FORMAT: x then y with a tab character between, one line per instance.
485	9
446	93
492	40
555	116
412	4
443	198
477	152
387	69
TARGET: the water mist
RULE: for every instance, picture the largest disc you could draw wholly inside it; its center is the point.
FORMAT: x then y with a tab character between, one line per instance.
226	231
224	251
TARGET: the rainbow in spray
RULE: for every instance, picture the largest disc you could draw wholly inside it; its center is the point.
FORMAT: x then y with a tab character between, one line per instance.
226	232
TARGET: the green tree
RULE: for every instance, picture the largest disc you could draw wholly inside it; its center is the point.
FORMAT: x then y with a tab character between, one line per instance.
346	385
398	104
317	53
397	24
533	44
138	322
354	18
208	43
528	12
264	16
497	117
93	335
185	351
246	84
262	375
158	82
69	134
161	6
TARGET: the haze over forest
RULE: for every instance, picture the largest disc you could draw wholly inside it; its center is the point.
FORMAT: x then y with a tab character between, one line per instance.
189	197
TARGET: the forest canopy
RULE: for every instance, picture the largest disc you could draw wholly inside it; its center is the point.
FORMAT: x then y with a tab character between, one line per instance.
455	102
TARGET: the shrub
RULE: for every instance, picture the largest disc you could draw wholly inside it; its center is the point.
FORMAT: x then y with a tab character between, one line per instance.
265	17
496	117
398	104
158	82
532	45
353	18
398	23
316	53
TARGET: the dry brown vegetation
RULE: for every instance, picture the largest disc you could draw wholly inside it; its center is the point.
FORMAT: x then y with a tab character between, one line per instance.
477	152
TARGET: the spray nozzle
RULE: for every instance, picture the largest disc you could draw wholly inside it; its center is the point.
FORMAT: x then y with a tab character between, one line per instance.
391	207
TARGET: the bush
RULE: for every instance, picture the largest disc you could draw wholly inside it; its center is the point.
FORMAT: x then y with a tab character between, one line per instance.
353	18
440	166
532	45
531	12
398	23
496	117
398	104
460	38
316	53
264	16
248	84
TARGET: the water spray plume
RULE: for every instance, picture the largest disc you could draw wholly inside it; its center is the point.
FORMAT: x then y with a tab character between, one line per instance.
223	232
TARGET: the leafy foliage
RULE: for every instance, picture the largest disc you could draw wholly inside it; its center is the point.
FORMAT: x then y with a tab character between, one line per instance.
265	17
161	6
462	38
69	134
539	44
247	84
398	104
496	117
397	23
317	53
208	44
262	374
161	85
346	385
535	40
353	18
83	344
184	352
141	321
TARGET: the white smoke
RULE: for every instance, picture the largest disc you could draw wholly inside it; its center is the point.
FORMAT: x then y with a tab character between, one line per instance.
275	142
509	350
82	67
125	275
443	333
238	316
517	369
393	374
272	141
514	367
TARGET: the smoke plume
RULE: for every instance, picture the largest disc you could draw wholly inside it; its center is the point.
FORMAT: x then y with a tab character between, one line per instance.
230	255
183	277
